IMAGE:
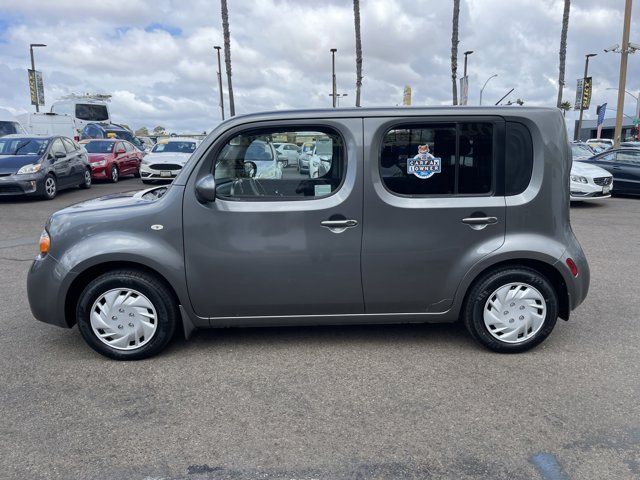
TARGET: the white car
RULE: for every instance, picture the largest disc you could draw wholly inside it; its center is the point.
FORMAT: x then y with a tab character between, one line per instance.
290	151
268	163
167	158
320	158
589	183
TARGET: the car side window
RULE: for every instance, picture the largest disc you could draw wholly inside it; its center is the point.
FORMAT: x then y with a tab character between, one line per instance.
518	162
57	147
607	157
128	147
630	157
68	145
438	159
249	167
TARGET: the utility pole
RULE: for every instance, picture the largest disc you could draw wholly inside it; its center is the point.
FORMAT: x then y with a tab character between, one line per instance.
333	75
33	65
466	54
576	135
624	54
220	81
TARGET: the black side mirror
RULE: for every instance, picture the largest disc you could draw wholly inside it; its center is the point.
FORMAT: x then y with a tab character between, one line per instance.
59	155
250	169
206	189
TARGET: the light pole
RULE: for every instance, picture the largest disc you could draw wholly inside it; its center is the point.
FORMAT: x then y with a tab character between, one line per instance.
485	84
220	81
337	97
624	54
333	76
33	65
466	54
576	136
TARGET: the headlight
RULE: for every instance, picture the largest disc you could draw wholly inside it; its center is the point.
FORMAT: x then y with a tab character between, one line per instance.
31	168
99	163
578	179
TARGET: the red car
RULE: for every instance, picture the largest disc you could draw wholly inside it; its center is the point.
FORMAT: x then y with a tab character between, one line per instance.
112	158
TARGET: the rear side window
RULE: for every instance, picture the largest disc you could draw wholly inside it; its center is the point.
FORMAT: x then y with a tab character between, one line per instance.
68	145
518	158
439	159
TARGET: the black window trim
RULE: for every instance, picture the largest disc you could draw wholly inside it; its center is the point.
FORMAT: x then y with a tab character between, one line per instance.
222	141
499	129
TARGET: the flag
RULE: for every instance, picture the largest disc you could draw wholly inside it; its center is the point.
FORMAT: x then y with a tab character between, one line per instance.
601	111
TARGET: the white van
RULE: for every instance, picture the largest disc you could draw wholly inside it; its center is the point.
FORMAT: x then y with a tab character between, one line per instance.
49	124
9	124
84	109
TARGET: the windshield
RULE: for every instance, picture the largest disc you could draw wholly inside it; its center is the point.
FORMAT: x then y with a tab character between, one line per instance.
580	151
23	146
324	148
99	146
8	128
307	147
258	151
175	147
92	113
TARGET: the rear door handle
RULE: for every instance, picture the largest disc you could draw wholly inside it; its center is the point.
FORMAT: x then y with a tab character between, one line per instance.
339	223
480	220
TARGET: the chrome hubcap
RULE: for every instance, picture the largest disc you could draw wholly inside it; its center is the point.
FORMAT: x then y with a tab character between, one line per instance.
87	177
515	312
124	319
50	186
114	173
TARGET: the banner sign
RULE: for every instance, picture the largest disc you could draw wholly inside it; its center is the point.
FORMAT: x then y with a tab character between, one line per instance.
583	93
406	97
36	87
464	90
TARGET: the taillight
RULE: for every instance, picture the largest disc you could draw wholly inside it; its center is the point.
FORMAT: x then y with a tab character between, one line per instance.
573	267
45	243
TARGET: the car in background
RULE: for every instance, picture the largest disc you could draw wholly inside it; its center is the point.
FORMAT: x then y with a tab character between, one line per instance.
320	159
42	166
110	130
600	144
589	182
289	151
606	141
624	165
630	144
264	160
112	158
305	155
580	151
167	158
9	125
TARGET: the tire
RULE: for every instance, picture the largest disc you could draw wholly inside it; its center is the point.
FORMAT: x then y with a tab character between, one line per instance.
136	174
152	312
488	316
115	175
86	184
49	187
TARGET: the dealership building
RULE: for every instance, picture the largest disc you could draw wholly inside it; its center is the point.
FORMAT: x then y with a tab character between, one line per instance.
589	129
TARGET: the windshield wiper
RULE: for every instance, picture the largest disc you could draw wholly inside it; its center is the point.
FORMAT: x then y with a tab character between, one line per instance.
21	146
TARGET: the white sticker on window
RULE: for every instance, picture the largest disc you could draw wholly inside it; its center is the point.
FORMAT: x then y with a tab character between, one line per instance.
423	165
320	190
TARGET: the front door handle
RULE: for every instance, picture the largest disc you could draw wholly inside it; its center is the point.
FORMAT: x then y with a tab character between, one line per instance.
480	220
339	223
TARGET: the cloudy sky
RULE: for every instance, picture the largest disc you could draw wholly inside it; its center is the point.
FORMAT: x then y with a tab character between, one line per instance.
156	57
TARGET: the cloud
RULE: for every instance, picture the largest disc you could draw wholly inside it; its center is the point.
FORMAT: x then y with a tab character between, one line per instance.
157	59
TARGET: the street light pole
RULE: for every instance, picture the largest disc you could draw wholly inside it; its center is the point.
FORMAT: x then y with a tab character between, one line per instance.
33	65
466	54
576	135
623	72
333	76
337	97
220	81
485	84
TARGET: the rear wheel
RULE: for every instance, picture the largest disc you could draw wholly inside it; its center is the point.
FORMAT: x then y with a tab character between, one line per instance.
511	310
127	315
50	187
86	182
114	177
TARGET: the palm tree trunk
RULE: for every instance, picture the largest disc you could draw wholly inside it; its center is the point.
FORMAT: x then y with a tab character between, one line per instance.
356	17
454	51
563	49
227	54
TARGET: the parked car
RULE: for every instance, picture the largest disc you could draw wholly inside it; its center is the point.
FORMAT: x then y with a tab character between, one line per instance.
112	158
9	125
589	182
461	230
305	155
632	144
41	166
581	151
265	158
606	141
167	158
84	109
624	165
320	159
288	150
110	130
600	144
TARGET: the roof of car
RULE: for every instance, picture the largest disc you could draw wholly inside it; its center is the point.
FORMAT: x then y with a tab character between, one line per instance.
30	135
177	139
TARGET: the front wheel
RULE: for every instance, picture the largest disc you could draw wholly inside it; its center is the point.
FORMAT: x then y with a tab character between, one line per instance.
511	310
127	315
50	187
114	174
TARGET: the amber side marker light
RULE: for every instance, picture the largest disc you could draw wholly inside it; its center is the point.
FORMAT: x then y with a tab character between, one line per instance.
45	243
573	267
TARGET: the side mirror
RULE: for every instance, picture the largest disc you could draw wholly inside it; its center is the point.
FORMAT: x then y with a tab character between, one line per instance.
58	155
250	169
282	159
206	189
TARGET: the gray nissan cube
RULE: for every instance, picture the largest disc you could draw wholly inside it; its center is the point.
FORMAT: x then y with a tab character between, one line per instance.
411	215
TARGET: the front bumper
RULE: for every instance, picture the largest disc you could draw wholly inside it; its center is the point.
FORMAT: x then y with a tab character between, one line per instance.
590	191
20	184
155	172
45	290
99	173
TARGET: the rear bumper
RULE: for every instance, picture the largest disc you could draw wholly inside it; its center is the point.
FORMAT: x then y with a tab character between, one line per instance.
45	292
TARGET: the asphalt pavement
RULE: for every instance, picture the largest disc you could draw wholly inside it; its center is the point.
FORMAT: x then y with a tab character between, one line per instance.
379	402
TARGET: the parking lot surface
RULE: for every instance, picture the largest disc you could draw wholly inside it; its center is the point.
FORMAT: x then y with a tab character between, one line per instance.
383	402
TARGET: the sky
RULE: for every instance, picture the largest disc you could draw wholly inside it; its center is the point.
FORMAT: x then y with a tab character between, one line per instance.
156	57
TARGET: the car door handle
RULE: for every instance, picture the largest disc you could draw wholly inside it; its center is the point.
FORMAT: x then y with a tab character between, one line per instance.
339	223
480	220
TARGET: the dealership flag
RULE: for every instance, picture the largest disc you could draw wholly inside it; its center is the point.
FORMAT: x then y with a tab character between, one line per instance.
601	111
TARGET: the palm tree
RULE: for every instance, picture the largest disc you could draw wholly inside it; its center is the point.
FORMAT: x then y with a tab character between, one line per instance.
563	49
454	50
227	53
356	17
565	107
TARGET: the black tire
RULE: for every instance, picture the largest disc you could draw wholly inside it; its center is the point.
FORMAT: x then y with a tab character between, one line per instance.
150	286
49	193
485	286
86	184
115	174
136	174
